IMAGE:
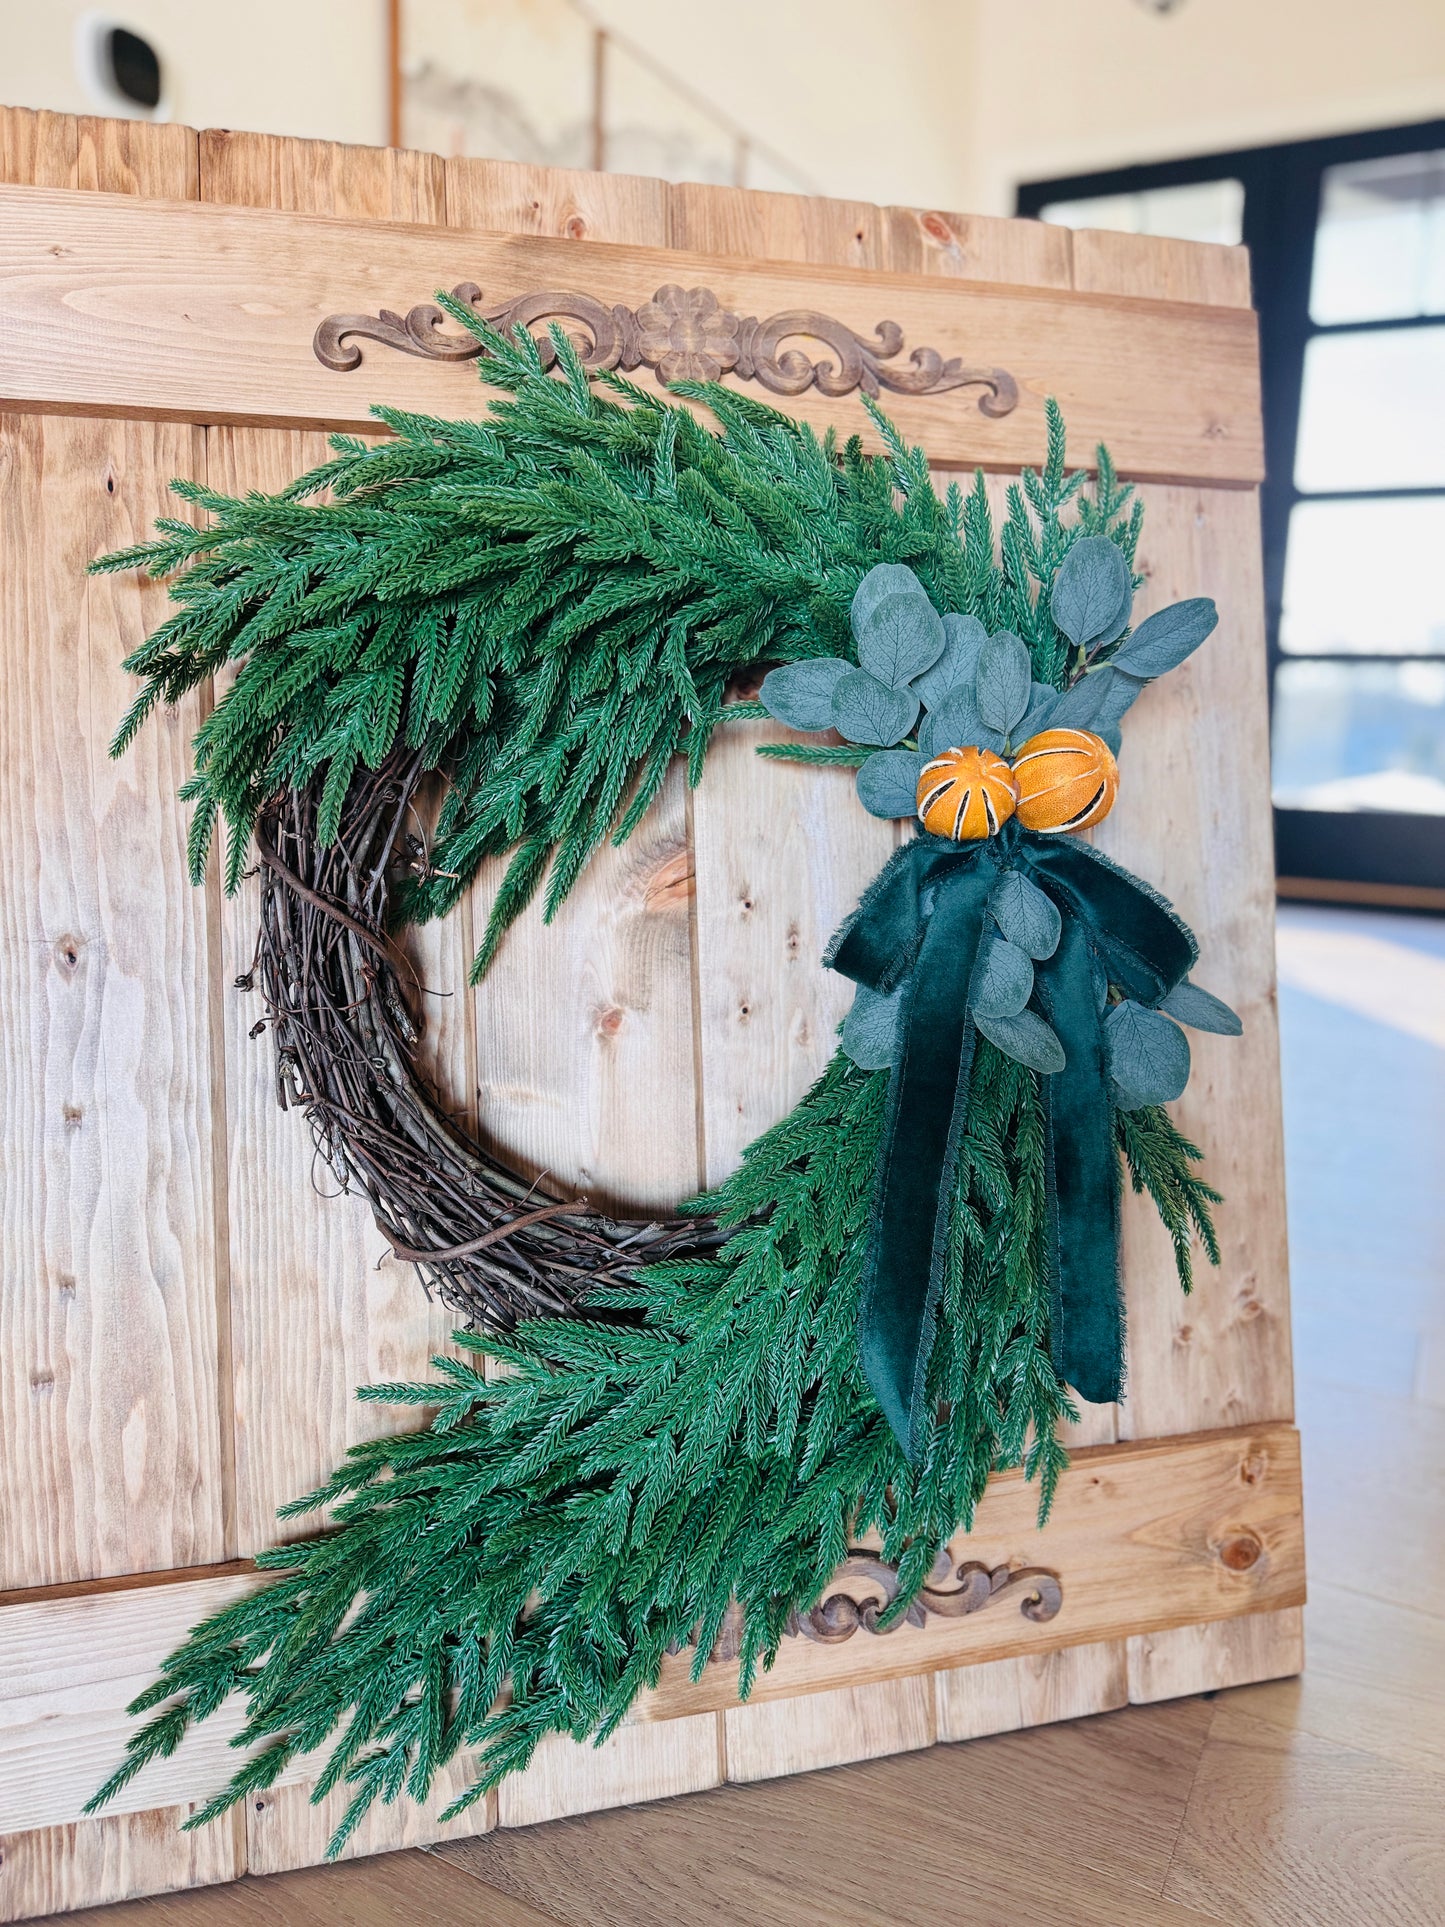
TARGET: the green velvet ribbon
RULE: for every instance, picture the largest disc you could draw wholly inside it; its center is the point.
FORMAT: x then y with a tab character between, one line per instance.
921	923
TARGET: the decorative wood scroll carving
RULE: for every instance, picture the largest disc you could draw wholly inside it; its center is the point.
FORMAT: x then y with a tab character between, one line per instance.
952	1592
685	334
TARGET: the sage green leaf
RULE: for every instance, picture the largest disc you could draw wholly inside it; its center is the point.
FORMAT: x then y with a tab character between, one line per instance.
1026	915
1198	1008
1003	980
883	579
868	711
899	638
800	694
1125	1100
1097	701
1043	701
964	636
1093	592
870	1030
888	782
1162	641
1148	1053
1025	1037
956	724
1003	681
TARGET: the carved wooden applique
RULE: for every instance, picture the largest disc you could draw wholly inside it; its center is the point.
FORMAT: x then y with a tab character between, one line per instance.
684	334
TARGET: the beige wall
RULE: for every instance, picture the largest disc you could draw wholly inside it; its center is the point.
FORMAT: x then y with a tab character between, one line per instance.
949	102
1065	86
307	67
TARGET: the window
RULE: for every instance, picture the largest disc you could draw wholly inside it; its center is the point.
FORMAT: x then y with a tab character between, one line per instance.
1347	240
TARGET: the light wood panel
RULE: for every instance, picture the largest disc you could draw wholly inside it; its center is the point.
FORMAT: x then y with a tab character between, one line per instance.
978	247
1142	1536
585	1056
51	1870
1005	1695
782	852
206	313
319	1305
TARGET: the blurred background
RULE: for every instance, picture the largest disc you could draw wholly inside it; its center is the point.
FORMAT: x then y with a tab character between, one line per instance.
1311	130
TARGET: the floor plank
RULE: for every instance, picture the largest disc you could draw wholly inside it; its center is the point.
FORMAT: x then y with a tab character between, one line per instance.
392	1890
1284	1828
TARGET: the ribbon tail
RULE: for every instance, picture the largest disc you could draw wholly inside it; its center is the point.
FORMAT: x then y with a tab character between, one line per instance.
923	1131
1087	1322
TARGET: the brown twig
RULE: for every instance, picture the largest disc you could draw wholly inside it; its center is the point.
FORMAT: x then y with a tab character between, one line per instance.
346	1039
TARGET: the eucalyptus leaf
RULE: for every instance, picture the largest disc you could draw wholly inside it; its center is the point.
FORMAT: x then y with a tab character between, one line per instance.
1198	1008
1027	1038
1113	736
1148	1053
955	724
1093	592
883	579
1097	701
1003	681
800	694
964	636
1125	1100
900	637
868	711
888	782
1026	916
870	1030
1003	980
1043	701
1162	641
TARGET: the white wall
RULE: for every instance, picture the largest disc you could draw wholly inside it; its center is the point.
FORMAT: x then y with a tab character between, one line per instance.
1069	86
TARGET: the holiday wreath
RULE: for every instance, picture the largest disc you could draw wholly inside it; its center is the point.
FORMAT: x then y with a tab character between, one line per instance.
896	1290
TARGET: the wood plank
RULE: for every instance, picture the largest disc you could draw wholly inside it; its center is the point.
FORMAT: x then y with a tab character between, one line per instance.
1143	1536
112	1416
240	169
319	1305
514	197
1161	269
1224	1652
1005	1695
585	1057
783	853
207	313
978	247
69	1667
750	226
52	1870
153	160
1193	818
39	148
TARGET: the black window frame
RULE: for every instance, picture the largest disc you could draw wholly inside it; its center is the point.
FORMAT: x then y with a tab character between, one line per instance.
1366	855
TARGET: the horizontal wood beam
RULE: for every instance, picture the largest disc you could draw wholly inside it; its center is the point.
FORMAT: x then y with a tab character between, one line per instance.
1143	1537
194	312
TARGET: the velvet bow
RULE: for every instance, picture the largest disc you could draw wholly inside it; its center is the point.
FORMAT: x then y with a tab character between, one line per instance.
922	923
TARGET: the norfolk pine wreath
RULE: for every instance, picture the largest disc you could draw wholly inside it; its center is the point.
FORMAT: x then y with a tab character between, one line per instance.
894	1293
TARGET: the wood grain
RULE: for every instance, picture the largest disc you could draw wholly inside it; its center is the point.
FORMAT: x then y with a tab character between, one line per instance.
978	247
51	1870
204	312
1105	262
585	1059
1222	1652
1005	1695
110	1411
1142	1536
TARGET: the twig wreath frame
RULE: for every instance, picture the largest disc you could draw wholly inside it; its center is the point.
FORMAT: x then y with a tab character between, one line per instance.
705	1418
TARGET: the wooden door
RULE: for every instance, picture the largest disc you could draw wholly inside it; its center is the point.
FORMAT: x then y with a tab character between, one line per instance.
185	1321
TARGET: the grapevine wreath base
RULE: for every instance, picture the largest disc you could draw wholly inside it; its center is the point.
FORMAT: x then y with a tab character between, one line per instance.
702	1419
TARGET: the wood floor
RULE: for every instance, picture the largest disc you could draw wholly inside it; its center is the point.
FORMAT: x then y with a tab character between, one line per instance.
1299	1804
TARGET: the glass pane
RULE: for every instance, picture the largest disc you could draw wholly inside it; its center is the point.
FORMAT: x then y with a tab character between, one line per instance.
1380	243
1372	411
1202	211
1364	578
1360	736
